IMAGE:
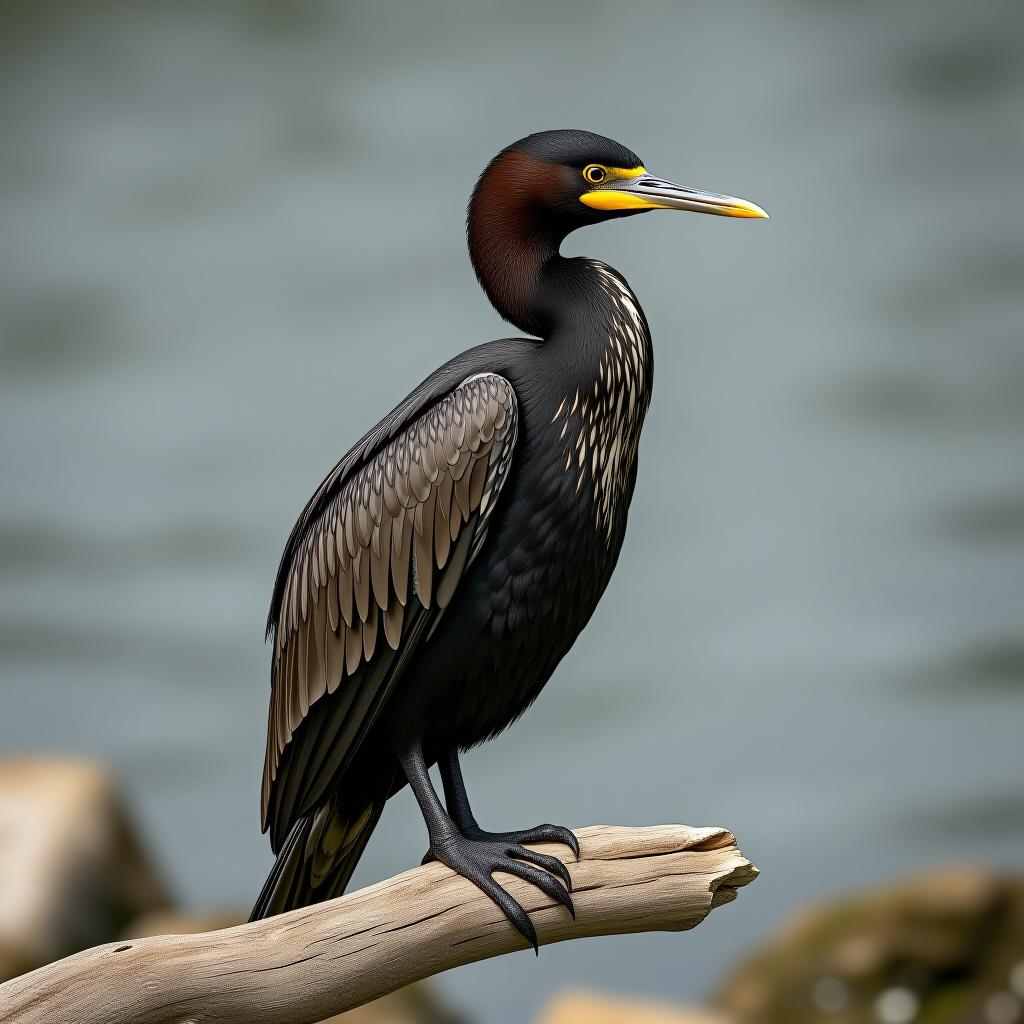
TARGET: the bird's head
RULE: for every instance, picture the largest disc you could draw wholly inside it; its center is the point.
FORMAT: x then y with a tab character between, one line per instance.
532	194
558	181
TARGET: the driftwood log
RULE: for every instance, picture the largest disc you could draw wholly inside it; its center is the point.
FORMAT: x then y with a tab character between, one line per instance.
309	964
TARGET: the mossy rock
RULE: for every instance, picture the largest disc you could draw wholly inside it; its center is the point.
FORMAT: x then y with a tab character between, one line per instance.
945	947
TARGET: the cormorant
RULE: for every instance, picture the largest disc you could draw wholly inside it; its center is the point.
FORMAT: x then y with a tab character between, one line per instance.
448	562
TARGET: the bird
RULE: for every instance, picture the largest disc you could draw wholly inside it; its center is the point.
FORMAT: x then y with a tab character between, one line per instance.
448	562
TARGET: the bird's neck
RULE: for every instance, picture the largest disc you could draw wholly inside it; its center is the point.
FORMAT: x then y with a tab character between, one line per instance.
518	265
541	292
514	236
578	305
577	301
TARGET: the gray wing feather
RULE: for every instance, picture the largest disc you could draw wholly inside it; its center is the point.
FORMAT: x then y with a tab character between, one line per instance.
370	572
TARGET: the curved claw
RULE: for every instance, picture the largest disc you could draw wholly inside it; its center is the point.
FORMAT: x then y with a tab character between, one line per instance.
558	834
476	859
544	834
519	918
550	864
546	883
539	834
428	858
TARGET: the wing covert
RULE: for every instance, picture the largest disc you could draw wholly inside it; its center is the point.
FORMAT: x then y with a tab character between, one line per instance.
378	563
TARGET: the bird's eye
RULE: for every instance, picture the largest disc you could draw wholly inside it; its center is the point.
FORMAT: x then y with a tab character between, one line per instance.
594	173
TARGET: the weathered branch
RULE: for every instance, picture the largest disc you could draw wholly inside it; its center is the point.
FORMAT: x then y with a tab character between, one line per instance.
311	963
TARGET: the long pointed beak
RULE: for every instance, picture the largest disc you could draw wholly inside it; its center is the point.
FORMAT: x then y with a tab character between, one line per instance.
647	192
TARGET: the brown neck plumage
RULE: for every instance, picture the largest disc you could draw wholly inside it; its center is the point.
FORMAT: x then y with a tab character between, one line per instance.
514	239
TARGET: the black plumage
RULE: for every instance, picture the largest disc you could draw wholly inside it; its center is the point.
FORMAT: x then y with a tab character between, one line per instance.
449	561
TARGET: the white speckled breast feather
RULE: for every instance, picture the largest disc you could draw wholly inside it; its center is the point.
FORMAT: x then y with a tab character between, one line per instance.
601	427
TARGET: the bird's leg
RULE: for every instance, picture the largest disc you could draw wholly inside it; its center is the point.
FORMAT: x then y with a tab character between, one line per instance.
461	813
476	859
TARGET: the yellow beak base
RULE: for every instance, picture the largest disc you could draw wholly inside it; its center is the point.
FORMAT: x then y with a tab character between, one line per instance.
616	199
648	193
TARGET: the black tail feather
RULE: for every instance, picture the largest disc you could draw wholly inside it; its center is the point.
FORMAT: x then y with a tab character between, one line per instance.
308	872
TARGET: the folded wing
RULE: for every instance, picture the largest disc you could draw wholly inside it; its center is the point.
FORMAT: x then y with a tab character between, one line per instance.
365	578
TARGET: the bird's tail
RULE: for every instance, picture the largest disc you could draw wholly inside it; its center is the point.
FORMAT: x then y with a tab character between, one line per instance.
318	858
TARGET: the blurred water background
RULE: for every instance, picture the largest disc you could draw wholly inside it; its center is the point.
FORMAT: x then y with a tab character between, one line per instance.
232	237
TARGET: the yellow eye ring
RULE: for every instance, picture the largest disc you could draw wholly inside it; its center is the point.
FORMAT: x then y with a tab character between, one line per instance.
594	173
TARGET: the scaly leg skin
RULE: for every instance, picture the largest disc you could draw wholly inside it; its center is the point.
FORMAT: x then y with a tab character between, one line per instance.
461	813
477	858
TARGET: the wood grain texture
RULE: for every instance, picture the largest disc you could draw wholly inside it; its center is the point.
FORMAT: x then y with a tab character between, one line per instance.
308	964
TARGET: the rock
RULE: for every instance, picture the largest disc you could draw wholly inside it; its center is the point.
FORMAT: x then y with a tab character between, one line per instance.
589	1008
72	872
945	946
